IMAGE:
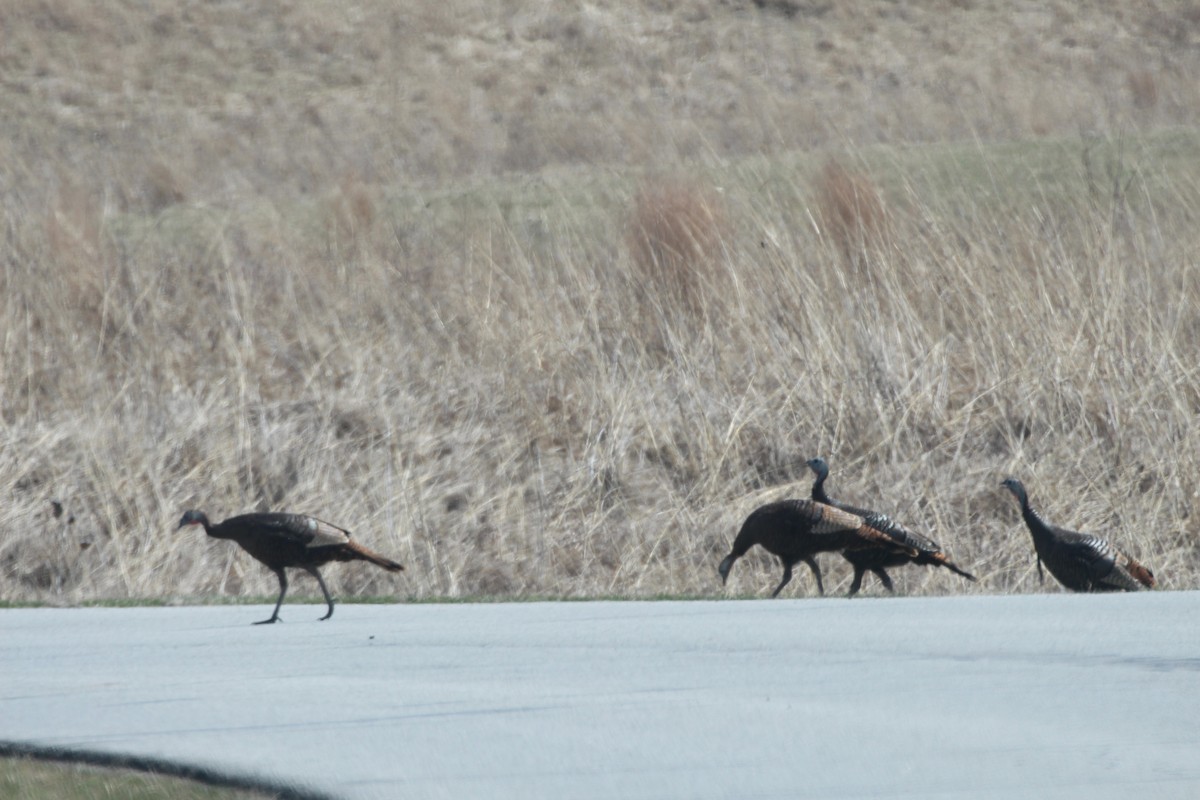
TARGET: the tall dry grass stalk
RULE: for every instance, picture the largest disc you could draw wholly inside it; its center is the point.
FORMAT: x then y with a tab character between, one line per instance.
273	259
852	215
676	236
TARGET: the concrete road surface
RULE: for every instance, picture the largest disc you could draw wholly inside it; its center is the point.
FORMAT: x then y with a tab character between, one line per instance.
1053	696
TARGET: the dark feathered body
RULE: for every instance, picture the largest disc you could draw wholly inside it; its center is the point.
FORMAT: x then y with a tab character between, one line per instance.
295	540
877	559
281	540
796	530
1082	562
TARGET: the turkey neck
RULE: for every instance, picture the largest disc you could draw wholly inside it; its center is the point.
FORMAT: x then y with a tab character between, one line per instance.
818	491
1042	537
743	542
219	531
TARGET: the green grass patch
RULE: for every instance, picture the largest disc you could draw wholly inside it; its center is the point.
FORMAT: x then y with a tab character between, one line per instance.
32	779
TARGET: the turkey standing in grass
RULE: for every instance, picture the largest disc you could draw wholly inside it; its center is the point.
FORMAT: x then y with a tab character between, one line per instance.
796	530
877	559
1082	562
290	540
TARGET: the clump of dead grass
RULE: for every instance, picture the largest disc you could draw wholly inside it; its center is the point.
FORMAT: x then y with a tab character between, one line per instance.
677	231
1143	88
351	211
852	214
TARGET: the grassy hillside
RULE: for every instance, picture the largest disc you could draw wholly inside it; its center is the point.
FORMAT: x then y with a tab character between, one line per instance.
544	301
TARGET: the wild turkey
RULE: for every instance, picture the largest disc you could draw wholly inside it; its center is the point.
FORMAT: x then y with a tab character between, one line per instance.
796	530
1082	562
877	559
290	540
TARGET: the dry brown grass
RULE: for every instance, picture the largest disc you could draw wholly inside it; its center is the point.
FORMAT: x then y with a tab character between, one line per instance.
676	235
850	208
281	259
